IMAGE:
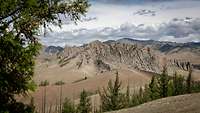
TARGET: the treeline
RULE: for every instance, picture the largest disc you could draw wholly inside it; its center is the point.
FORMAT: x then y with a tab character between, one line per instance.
160	86
113	98
84	105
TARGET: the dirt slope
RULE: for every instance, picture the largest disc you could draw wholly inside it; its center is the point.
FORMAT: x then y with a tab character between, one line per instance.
179	104
135	79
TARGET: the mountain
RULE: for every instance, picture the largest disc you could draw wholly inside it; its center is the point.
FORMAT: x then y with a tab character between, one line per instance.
164	47
108	56
53	49
92	65
146	55
95	58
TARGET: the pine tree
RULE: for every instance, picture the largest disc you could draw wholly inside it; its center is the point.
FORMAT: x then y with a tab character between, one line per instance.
179	85
153	89
163	80
170	91
141	96
68	106
112	98
146	94
127	97
189	81
85	103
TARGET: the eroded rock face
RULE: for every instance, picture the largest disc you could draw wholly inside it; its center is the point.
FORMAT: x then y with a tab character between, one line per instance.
108	56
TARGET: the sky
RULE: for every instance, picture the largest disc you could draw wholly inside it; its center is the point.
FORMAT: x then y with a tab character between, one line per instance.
162	20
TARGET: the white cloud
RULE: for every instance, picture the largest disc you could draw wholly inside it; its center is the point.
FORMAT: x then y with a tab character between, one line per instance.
115	21
177	31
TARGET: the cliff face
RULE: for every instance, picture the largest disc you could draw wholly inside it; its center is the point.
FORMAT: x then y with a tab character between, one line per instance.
146	55
108	56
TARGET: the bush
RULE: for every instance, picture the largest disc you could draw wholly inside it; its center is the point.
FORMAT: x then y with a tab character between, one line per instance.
44	83
59	83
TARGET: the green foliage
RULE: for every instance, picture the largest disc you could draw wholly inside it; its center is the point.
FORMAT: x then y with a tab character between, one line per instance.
171	89
160	86
127	100
19	23
68	106
195	88
189	81
135	100
163	81
178	84
112	98
85	103
60	83
154	89
16	69
44	83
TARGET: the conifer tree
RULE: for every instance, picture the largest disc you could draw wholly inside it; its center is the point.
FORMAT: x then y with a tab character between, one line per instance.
170	91
68	106
163	80
153	89
134	100
189	81
127	96
84	105
146	93
112	98
179	85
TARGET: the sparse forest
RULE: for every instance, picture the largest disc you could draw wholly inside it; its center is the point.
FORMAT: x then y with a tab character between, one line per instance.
161	85
22	22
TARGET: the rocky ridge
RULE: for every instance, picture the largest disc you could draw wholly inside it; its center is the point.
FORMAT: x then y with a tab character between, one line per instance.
108	56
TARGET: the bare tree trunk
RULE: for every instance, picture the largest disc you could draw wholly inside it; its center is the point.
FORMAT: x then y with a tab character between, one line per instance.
60	99
50	108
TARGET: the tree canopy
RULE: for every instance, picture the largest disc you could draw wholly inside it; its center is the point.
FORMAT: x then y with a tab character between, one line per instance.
19	24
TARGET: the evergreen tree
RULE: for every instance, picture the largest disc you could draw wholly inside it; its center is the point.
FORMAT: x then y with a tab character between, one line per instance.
163	80
85	103
134	100
141	96
171	90
146	94
19	24
112	98
153	89
127	97
189	81
179	85
68	107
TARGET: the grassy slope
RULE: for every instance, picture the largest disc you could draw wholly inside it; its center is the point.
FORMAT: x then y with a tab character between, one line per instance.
179	104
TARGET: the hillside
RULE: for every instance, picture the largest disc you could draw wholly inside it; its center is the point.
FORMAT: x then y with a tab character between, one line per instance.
92	65
179	104
73	63
95	58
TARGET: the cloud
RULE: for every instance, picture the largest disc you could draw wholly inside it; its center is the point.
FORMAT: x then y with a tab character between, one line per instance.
177	30
106	21
145	12
135	1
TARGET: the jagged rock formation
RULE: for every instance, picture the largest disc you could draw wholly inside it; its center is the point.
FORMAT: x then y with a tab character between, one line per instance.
98	57
108	56
180	55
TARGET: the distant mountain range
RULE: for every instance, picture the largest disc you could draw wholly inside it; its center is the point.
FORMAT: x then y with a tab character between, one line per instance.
146	55
164	47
